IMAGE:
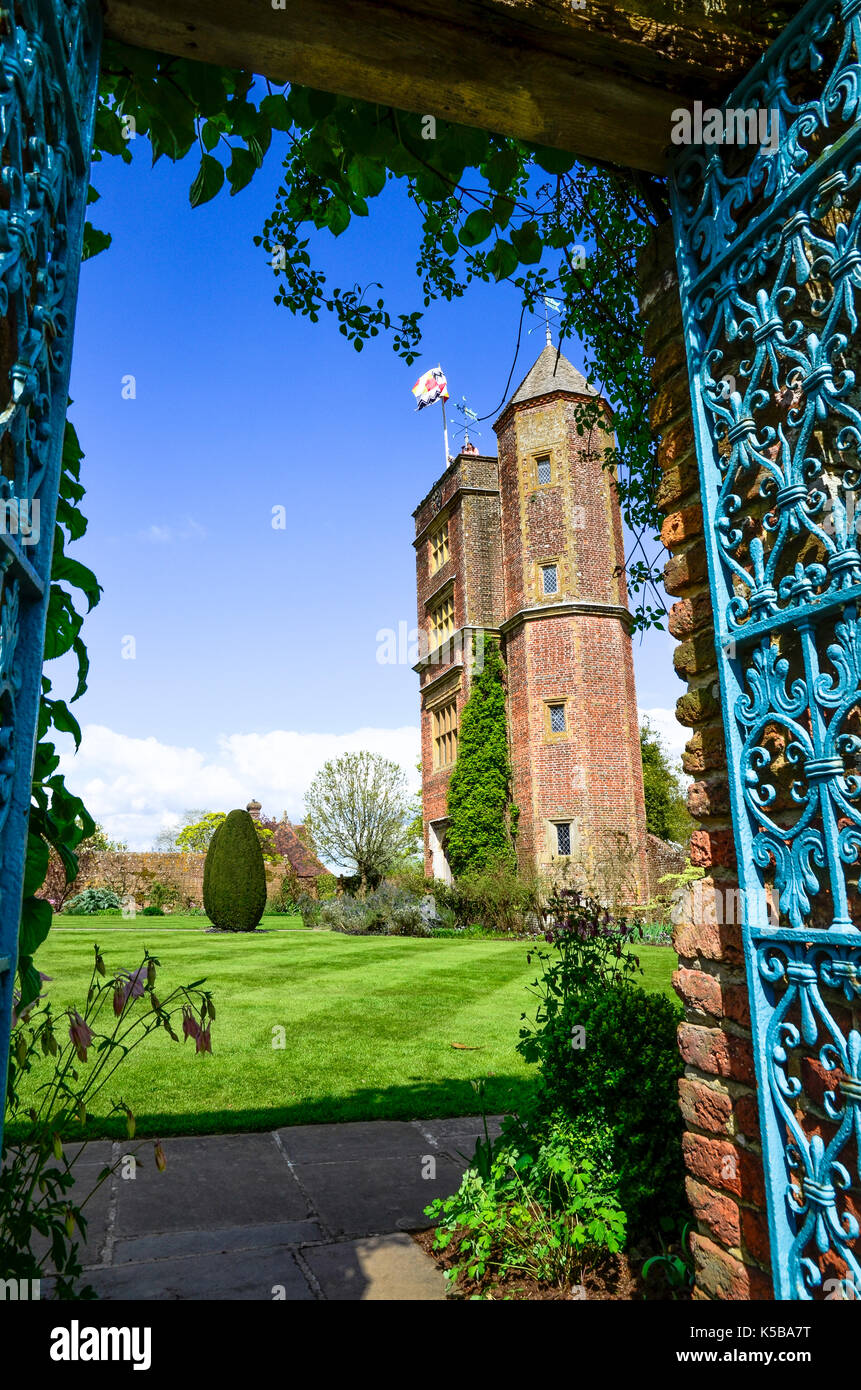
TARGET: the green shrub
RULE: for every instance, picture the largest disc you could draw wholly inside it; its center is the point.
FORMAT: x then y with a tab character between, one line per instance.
387	911
207	868
162	895
543	1205
235	885
667	814
152	911
93	900
327	887
496	897
620	1073
281	902
308	909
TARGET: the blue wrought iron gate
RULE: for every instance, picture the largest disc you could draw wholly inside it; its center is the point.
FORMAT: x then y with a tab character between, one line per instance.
48	75
767	242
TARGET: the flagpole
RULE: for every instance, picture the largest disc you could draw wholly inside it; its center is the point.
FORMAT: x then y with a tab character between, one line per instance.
445	431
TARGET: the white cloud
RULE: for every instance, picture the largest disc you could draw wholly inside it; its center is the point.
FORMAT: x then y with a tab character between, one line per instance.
672	734
164	535
137	786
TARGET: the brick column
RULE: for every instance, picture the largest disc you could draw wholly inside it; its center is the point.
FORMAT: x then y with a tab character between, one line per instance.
717	1093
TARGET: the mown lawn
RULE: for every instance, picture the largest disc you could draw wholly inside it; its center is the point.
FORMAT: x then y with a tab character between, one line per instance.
368	1023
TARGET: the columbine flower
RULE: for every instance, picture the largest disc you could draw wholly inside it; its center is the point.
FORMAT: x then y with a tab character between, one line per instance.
81	1035
203	1042
190	1025
134	983
160	1159
119	1000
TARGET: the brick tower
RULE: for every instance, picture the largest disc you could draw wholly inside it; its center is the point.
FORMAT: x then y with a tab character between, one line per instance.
526	547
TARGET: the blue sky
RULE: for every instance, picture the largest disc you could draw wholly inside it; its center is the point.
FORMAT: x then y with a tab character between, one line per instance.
256	648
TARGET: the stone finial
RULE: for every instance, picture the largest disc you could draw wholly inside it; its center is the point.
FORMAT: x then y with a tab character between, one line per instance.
254	808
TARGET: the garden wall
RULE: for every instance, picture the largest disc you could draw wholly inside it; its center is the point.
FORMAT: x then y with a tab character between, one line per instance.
717	1093
662	858
133	874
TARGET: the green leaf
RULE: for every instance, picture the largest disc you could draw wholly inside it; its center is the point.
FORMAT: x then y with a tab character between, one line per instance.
28	980
210	177
210	135
503	209
337	216
502	169
35	864
367	177
502	260
64	721
240	170
527	243
94	241
108	132
36	915
477	227
77	574
276	112
554	161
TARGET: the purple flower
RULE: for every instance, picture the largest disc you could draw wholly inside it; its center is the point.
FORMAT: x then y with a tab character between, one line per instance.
135	982
190	1025
81	1035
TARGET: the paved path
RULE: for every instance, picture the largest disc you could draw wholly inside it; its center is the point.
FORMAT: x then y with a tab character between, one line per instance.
307	1212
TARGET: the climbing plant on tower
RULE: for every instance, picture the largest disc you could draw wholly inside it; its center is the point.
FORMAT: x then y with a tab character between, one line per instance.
479	792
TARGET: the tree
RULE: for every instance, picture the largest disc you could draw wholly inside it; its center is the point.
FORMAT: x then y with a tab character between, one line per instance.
234	879
197	832
479	801
360	810
196	836
416	827
165	841
667	814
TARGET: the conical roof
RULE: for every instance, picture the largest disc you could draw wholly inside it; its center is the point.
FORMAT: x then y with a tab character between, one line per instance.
551	372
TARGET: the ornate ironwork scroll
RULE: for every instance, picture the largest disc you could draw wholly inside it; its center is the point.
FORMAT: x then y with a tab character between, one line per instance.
768	241
48	75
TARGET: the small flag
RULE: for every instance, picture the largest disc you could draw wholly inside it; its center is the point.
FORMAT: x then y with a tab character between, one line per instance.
430	388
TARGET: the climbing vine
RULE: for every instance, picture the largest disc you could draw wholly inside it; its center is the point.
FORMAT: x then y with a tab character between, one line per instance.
479	792
488	208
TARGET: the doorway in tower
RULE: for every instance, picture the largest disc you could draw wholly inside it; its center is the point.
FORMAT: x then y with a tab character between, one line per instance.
440	868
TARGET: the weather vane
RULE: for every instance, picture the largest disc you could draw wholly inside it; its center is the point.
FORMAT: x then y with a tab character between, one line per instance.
469	415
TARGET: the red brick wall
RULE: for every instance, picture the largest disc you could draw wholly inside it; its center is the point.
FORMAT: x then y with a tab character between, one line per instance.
594	776
467	494
718	1092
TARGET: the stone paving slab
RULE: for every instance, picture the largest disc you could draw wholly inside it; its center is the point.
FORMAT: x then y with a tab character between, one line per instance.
362	1139
378	1268
210	1180
369	1196
456	1138
236	1274
310	1212
217	1242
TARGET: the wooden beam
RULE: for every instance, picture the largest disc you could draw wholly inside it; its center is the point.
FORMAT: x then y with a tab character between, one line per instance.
600	81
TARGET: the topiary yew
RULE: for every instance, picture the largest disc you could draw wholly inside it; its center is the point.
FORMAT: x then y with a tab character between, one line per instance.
234	878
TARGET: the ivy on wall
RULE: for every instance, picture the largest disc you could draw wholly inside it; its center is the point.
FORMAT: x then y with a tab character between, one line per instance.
479	791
